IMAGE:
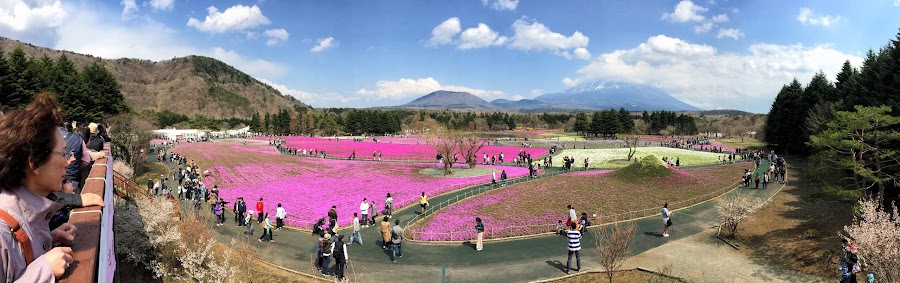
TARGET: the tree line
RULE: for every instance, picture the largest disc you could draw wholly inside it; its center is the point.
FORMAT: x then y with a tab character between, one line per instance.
87	95
849	128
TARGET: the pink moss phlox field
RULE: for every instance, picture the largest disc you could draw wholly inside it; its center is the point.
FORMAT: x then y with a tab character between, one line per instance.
307	187
405	148
544	201
706	147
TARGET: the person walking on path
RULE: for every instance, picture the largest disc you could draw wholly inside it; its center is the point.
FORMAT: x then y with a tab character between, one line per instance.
280	214
217	209
364	210
327	247
259	209
389	206
333	218
479	230
356	230
267	230
248	221
423	201
385	233
765	180
666	221
493	177
242	211
503	178
756	179
339	253
573	217
374	212
574	245
396	241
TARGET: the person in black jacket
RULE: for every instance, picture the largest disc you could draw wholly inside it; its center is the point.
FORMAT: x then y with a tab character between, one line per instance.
241	210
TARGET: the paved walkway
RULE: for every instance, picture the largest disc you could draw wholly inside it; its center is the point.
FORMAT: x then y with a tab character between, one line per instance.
526	259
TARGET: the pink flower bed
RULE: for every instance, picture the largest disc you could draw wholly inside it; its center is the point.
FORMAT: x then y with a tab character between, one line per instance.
307	188
706	147
344	148
535	207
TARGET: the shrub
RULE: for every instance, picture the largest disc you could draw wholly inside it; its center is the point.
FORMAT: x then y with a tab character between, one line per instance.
877	234
648	166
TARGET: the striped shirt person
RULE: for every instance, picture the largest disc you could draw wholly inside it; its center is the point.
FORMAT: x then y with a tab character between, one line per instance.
574	237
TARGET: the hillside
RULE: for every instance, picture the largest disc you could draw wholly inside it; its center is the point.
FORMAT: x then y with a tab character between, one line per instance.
187	85
449	100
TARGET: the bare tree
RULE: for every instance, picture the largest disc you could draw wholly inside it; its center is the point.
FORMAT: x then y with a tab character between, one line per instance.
733	209
631	142
613	245
130	134
469	145
447	145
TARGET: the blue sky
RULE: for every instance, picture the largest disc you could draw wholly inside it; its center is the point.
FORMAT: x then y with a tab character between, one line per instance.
712	54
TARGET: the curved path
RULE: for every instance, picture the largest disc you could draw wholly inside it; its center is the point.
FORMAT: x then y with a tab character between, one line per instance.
517	260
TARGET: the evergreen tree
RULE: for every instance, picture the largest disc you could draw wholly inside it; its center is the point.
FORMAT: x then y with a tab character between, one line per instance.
596	123
582	125
627	122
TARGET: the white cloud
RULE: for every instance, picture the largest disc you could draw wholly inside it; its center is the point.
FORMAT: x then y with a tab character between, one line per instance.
20	16
582	53
478	37
444	32
531	35
129	7
90	33
568	81
311	98
500	5
730	33
721	18
737	81
275	36
685	11
735	11
897	3
162	5
324	44
405	88
807	17
704	28
238	17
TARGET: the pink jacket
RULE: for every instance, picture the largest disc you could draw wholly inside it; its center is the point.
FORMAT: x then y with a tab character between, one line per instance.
33	213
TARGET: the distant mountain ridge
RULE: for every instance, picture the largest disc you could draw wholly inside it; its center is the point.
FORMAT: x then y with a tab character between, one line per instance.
632	97
443	99
586	96
186	85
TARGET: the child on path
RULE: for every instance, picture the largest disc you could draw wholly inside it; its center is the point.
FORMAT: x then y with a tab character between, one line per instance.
666	221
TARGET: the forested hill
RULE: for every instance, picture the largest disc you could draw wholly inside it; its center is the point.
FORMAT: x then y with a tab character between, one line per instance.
187	85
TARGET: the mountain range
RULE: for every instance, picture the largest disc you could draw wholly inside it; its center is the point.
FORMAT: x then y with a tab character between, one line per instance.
587	96
186	85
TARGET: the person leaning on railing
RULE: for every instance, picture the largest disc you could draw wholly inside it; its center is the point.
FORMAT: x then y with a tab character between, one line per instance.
32	168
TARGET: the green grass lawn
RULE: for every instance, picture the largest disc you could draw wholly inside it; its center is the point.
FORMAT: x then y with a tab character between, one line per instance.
561	137
606	158
747	143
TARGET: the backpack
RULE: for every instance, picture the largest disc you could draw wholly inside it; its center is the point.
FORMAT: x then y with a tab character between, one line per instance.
338	251
394	236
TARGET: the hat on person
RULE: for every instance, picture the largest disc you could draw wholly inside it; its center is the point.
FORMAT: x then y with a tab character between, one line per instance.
327	236
93	128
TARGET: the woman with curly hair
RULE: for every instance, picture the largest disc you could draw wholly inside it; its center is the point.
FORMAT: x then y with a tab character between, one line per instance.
33	161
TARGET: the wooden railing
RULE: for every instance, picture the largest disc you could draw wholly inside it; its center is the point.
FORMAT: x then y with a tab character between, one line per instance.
94	257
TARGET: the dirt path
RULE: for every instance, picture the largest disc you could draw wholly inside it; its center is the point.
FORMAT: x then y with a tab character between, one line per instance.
797	231
703	258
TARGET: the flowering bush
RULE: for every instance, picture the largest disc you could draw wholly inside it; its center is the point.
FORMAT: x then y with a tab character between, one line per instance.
406	148
534	207
603	158
877	234
307	187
